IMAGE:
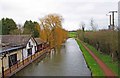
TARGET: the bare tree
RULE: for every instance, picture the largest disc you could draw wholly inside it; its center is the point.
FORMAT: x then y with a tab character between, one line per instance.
93	24
83	29
83	26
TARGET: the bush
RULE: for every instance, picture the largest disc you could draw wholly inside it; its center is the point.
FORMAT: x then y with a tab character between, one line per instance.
104	41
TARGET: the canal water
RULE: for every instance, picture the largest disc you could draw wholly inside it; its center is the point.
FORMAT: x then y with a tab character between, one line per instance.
68	62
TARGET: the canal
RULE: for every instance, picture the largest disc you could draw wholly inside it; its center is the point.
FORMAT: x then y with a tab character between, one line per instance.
68	62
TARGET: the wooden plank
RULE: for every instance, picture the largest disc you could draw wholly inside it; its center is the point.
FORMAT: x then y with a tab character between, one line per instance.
17	67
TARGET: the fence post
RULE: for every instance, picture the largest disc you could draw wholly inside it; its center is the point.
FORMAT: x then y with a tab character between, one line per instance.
17	64
2	72
10	69
23	61
31	56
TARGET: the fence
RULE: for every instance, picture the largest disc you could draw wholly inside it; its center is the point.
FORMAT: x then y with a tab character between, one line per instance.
20	65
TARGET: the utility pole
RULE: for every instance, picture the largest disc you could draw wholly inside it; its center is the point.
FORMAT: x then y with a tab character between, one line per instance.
113	25
109	26
113	53
110	20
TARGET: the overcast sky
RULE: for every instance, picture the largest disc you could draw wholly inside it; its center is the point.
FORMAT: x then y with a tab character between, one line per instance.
73	11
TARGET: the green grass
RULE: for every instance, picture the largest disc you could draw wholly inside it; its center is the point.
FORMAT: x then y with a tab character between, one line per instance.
72	34
106	59
94	67
96	71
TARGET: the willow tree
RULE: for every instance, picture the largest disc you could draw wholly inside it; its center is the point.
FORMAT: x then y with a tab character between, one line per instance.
49	28
61	36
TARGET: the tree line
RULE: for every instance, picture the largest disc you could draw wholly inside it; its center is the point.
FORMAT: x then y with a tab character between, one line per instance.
105	41
48	29
9	27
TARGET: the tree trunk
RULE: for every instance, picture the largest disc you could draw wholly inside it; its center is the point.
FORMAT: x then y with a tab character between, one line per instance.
114	56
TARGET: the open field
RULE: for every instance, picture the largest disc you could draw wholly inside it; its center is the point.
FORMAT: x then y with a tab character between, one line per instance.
72	34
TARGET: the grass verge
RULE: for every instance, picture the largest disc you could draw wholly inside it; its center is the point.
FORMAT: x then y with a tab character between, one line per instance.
92	64
105	58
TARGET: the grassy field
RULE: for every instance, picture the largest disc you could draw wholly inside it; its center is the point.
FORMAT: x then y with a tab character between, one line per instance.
94	67
72	34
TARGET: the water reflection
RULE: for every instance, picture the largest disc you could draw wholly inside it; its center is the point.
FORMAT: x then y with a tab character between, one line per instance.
68	62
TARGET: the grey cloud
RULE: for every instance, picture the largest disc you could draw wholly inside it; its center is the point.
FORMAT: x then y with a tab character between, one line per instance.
73	11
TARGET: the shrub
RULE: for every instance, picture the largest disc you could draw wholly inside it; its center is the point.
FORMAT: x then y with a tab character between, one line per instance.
104	41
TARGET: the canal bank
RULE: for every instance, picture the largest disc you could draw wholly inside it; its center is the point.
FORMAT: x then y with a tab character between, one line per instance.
97	62
68	62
